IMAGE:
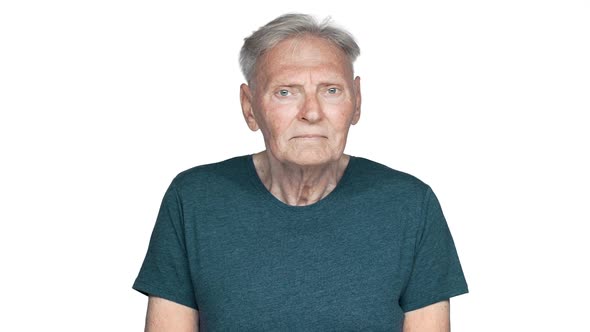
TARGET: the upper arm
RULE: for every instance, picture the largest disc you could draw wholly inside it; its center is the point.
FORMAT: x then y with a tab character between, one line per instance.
432	318
164	315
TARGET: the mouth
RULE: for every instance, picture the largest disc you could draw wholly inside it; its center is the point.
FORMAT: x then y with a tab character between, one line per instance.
310	136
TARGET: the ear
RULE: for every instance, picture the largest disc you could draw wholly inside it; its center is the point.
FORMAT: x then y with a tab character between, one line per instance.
247	111
357	95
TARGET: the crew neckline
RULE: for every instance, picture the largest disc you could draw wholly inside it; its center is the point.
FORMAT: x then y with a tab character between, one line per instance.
268	196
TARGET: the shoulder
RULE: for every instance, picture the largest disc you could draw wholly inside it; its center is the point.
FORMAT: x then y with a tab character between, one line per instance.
232	169
376	175
381	184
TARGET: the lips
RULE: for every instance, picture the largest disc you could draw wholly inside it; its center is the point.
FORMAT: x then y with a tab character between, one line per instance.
310	136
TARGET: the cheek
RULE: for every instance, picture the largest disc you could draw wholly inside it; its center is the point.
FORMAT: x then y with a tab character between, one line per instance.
340	120
275	126
279	119
274	129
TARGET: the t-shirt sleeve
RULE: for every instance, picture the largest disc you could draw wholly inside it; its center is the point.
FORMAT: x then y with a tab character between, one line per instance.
165	270
436	274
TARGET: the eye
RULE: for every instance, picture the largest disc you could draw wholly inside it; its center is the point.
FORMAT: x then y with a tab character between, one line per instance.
284	92
333	91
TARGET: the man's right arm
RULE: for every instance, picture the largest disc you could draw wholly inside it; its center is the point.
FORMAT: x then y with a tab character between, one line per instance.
164	315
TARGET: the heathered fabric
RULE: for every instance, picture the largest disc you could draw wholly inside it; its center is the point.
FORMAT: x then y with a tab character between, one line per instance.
377	246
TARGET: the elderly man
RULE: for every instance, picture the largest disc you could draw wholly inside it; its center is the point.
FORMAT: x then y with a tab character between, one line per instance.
300	236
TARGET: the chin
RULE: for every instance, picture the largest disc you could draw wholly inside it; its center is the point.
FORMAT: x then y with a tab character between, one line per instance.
313	158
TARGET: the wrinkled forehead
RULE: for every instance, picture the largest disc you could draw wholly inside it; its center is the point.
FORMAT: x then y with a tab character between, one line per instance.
307	48
297	54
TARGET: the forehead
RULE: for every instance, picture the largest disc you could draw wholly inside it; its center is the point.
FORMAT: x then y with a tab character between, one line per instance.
304	54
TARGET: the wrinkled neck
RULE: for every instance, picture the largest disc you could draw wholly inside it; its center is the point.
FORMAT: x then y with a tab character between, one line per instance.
299	185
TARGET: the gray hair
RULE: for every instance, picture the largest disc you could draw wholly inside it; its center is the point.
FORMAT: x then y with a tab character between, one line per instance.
290	26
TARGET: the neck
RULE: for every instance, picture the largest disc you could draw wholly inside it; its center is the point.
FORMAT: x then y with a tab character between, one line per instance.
298	185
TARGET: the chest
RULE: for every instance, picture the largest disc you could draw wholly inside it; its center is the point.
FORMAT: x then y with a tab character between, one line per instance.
274	271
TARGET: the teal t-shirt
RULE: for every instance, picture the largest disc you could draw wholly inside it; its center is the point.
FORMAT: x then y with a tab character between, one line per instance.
377	246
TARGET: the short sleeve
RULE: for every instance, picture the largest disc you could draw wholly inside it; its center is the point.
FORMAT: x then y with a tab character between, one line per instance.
436	273
165	270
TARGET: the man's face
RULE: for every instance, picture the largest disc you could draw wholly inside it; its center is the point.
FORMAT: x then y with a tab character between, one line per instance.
304	100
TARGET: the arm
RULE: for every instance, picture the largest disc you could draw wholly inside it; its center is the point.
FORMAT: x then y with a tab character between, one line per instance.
432	318
164	315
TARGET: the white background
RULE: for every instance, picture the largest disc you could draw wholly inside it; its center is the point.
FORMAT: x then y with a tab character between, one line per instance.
104	102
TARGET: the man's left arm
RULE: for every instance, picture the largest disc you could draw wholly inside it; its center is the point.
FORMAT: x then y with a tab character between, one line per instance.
432	318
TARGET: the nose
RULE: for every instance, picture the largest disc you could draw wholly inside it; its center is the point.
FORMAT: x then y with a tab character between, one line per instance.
311	110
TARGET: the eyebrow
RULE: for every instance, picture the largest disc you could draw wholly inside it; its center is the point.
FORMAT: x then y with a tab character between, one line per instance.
287	85
294	85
